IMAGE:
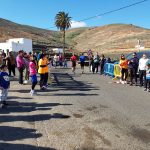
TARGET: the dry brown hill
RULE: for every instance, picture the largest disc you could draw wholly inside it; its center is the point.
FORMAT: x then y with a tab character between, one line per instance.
10	29
108	38
111	38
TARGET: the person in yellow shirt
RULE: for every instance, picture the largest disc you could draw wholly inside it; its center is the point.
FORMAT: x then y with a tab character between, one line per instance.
46	71
42	69
124	69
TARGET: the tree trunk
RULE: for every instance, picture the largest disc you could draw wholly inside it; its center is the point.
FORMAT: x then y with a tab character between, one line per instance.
64	32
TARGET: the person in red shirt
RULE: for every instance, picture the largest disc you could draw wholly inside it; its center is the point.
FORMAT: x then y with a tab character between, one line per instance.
73	60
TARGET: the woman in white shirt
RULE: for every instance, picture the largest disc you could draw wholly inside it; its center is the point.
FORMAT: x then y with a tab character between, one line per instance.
142	69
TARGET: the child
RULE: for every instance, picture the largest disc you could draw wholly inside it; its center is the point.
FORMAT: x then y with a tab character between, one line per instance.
4	85
32	69
147	83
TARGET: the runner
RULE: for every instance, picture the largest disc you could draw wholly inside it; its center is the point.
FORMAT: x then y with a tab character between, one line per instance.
82	62
73	60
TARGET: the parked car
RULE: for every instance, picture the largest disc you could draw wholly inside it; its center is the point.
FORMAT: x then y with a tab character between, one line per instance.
139	54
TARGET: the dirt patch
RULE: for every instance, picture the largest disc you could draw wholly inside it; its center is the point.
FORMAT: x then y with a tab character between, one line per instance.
147	125
103	106
57	133
91	108
78	115
141	134
89	138
105	120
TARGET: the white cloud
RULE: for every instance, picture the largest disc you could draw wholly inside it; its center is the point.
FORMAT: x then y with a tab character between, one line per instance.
76	24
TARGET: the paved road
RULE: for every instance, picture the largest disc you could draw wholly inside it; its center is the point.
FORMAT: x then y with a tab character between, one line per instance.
79	112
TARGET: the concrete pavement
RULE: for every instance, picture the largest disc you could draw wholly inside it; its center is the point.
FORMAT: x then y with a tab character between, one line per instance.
79	112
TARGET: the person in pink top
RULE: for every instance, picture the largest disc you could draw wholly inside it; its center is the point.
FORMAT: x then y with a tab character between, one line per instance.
33	71
20	65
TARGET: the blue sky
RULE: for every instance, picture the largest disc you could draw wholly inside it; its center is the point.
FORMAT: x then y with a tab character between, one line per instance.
41	13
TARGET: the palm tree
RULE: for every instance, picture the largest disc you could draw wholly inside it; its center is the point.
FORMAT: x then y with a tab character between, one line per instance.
63	22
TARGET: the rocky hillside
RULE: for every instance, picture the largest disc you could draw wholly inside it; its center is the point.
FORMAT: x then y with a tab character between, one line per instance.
10	29
109	38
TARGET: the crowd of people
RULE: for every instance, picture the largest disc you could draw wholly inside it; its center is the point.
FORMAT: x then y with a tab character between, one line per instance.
129	69
29	65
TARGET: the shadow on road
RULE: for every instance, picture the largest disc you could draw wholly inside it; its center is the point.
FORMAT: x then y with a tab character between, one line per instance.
8	133
32	118
21	107
76	94
67	82
10	146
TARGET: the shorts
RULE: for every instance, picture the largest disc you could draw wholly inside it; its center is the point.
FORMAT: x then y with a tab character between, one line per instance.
73	63
82	64
33	78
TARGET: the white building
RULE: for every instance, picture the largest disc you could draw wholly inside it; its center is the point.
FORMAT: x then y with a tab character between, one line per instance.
17	44
57	50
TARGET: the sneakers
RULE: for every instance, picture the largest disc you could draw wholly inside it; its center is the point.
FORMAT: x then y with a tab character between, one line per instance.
2	105
131	84
125	82
33	93
148	90
25	82
122	82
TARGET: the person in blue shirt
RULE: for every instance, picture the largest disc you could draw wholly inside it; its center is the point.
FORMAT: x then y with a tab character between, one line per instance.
82	62
4	85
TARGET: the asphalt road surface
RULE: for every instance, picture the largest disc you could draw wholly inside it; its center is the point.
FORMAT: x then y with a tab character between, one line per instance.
78	112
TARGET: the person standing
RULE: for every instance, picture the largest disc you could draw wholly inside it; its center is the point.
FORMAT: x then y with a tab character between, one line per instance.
60	59
8	64
55	60
65	63
32	70
13	64
147	82
46	71
133	64
90	56
4	85
142	69
96	62
41	70
82	62
20	65
73	60
102	63
124	69
27	61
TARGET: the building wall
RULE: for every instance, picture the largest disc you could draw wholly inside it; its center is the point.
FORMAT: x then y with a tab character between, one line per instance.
17	44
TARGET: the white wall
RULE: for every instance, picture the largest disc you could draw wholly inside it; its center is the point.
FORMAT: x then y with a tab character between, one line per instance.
57	50
5	46
17	44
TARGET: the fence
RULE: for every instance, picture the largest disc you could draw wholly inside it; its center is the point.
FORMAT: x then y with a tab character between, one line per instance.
117	71
109	69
